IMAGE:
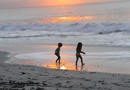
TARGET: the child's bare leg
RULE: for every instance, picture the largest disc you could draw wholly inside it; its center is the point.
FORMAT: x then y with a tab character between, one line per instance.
59	61
81	60
58	58
77	59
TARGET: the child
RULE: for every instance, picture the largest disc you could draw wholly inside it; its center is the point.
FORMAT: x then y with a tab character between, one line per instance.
78	51
57	52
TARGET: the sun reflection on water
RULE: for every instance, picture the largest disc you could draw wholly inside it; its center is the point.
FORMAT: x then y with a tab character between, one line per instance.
67	18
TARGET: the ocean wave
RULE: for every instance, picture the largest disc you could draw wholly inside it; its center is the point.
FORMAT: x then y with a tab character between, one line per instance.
98	28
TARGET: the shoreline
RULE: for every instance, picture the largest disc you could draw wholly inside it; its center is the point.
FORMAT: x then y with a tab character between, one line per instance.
97	59
14	76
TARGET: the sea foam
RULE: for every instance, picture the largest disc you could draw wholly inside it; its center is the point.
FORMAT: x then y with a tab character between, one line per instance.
69	32
98	28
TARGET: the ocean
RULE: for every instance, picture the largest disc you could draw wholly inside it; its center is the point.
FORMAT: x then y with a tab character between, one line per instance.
101	24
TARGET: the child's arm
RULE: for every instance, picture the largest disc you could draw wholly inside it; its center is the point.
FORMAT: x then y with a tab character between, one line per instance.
82	52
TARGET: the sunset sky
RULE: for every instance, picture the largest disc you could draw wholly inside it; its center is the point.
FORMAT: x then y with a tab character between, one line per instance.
33	3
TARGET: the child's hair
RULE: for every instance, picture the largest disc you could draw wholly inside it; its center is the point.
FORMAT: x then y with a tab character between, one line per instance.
60	44
79	45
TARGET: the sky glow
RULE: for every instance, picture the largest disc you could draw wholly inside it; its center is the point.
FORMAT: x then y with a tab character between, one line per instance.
34	3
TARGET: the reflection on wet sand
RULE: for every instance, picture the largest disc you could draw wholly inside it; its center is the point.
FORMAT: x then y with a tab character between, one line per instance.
79	67
67	62
64	65
98	60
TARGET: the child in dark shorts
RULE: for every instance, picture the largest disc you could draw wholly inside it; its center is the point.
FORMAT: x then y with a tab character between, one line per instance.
57	52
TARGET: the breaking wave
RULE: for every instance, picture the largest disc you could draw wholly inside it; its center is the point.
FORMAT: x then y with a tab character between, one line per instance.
98	28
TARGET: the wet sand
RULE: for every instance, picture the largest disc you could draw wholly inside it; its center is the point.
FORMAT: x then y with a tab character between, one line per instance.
107	59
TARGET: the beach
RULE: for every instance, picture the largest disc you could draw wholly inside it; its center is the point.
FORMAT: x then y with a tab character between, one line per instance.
29	37
31	77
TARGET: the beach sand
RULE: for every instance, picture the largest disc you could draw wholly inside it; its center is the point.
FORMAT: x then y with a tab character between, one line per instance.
29	77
